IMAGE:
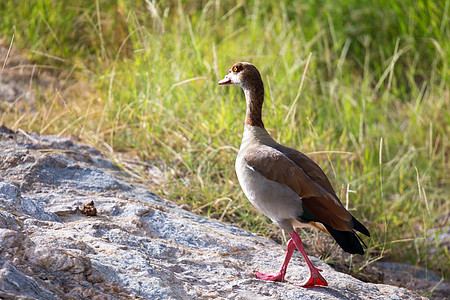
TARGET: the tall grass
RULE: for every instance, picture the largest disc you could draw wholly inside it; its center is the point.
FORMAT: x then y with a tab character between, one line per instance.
372	110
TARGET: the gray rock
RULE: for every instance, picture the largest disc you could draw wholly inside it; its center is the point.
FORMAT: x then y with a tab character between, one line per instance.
137	246
8	220
10	195
10	240
18	284
438	238
11	200
414	278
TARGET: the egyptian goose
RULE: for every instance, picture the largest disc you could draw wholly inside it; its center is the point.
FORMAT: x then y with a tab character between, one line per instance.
285	184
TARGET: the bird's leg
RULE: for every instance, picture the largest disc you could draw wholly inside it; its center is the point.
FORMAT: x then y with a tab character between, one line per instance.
280	275
314	276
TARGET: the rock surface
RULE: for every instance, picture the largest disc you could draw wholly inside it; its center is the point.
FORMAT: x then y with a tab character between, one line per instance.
136	245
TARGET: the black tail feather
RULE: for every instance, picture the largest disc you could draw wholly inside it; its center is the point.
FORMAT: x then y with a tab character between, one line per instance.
348	240
360	227
360	239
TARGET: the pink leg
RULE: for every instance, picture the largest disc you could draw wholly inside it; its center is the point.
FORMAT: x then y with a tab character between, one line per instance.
280	275
314	276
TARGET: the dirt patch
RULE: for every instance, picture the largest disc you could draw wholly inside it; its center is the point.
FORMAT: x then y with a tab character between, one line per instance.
21	80
89	209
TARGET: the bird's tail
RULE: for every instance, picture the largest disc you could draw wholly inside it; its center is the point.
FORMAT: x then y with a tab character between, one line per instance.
360	227
348	240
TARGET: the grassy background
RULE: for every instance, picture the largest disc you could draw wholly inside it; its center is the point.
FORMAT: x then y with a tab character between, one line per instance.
373	110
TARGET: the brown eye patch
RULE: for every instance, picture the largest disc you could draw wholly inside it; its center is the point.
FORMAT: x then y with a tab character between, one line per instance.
236	67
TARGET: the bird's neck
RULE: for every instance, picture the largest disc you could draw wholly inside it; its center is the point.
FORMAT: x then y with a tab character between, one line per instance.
254	96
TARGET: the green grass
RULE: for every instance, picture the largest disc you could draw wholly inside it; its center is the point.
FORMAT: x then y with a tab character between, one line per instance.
373	109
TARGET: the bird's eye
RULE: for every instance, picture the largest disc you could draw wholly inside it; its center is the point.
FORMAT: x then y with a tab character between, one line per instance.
235	69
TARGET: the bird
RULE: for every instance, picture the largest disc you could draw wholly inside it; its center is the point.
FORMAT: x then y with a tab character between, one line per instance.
285	184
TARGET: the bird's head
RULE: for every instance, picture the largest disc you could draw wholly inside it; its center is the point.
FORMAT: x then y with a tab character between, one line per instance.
243	74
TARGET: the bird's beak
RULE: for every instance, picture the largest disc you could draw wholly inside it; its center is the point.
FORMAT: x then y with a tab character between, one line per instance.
225	81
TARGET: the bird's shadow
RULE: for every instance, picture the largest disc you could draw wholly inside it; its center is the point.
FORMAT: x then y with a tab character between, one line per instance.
327	290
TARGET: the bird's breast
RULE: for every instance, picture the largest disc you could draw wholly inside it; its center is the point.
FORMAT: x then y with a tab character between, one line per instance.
275	200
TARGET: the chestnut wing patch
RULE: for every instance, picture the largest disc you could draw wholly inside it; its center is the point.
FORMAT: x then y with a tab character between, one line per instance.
319	201
308	166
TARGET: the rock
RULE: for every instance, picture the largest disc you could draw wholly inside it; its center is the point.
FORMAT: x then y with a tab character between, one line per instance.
414	278
137	246
12	201
438	238
15	284
10	240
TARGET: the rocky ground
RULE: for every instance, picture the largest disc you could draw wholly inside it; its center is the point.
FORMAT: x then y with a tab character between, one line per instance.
130	243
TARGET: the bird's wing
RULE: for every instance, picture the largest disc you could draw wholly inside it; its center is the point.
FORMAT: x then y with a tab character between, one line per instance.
308	166
319	201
